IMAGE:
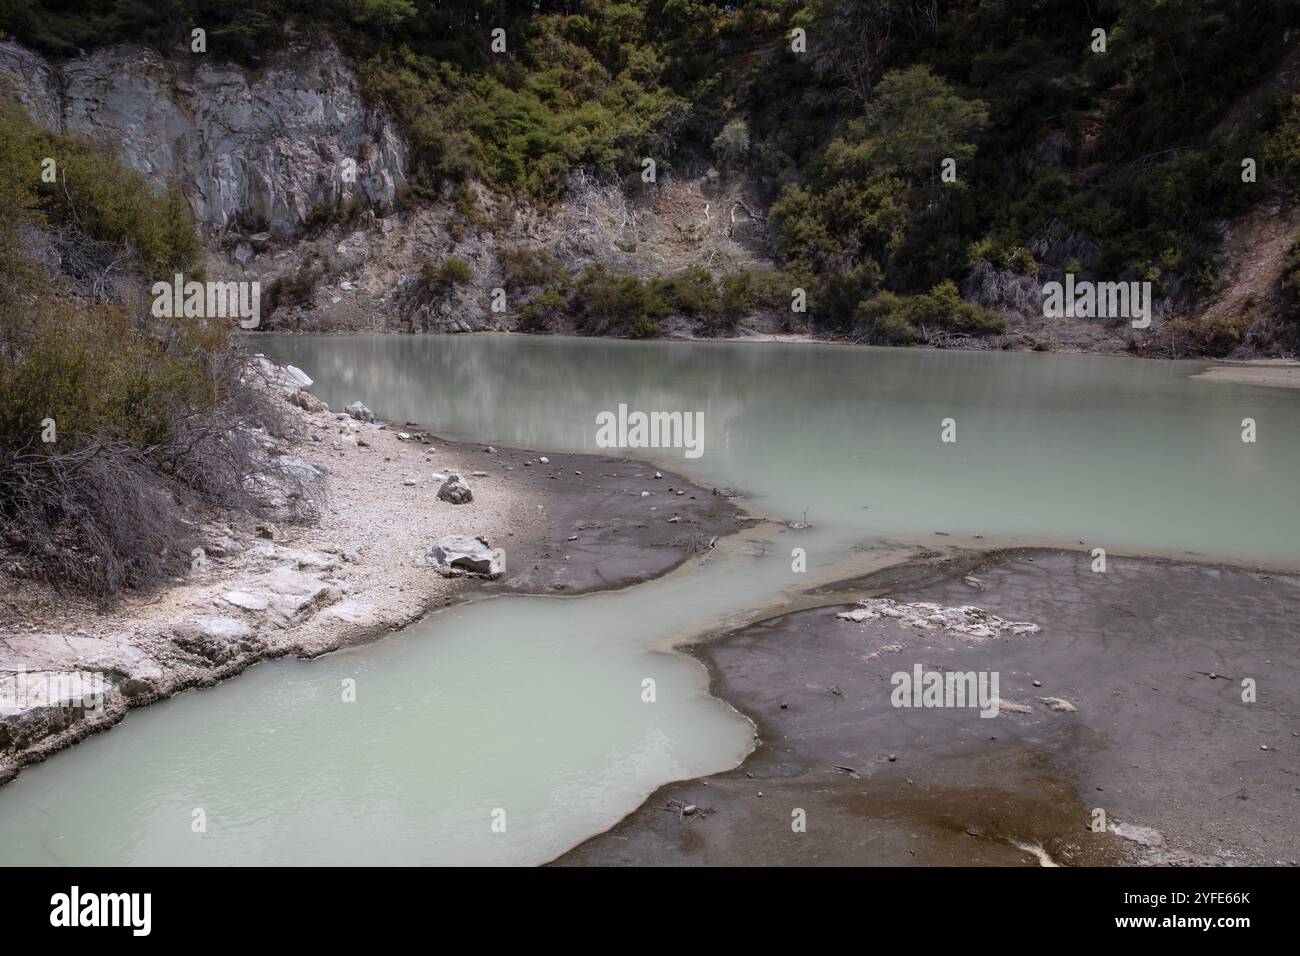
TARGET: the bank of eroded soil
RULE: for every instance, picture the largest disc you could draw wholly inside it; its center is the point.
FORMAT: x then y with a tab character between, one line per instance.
1173	755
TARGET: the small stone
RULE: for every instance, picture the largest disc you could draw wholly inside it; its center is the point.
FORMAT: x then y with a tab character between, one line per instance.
455	491
544	460
135	687
1058	704
360	412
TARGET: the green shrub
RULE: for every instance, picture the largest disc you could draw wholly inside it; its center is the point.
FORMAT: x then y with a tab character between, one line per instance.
644	327
542	312
447	274
95	196
530	267
886	319
899	320
944	308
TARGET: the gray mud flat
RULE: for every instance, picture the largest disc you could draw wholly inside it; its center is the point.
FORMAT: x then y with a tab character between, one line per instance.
620	537
1173	755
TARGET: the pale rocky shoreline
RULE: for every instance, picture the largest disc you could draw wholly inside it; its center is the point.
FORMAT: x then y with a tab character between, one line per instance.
1269	373
360	572
275	590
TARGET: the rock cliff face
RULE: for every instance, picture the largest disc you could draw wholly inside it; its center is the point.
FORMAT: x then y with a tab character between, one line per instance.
260	154
258	151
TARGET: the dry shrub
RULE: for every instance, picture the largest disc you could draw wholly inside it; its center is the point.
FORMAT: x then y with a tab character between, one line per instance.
156	423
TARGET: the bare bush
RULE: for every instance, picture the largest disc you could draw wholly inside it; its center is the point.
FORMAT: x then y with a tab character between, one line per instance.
111	516
101	519
1004	290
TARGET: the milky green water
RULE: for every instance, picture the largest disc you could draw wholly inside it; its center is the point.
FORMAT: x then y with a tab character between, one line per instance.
530	710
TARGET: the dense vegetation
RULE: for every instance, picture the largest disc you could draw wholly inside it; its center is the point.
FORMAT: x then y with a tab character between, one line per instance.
1117	165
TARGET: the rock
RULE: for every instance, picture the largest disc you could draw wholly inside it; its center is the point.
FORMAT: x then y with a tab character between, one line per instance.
352	612
1058	704
247	600
1142	836
298	376
456	554
256	145
360	412
1013	707
135	687
308	402
36	651
214	638
455	491
294	596
302	470
964	621
544	460
25	692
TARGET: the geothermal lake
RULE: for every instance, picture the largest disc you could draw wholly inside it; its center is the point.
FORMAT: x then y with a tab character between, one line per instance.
529	708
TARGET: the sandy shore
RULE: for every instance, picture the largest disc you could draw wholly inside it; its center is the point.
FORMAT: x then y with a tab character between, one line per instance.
1129	700
569	524
1272	373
